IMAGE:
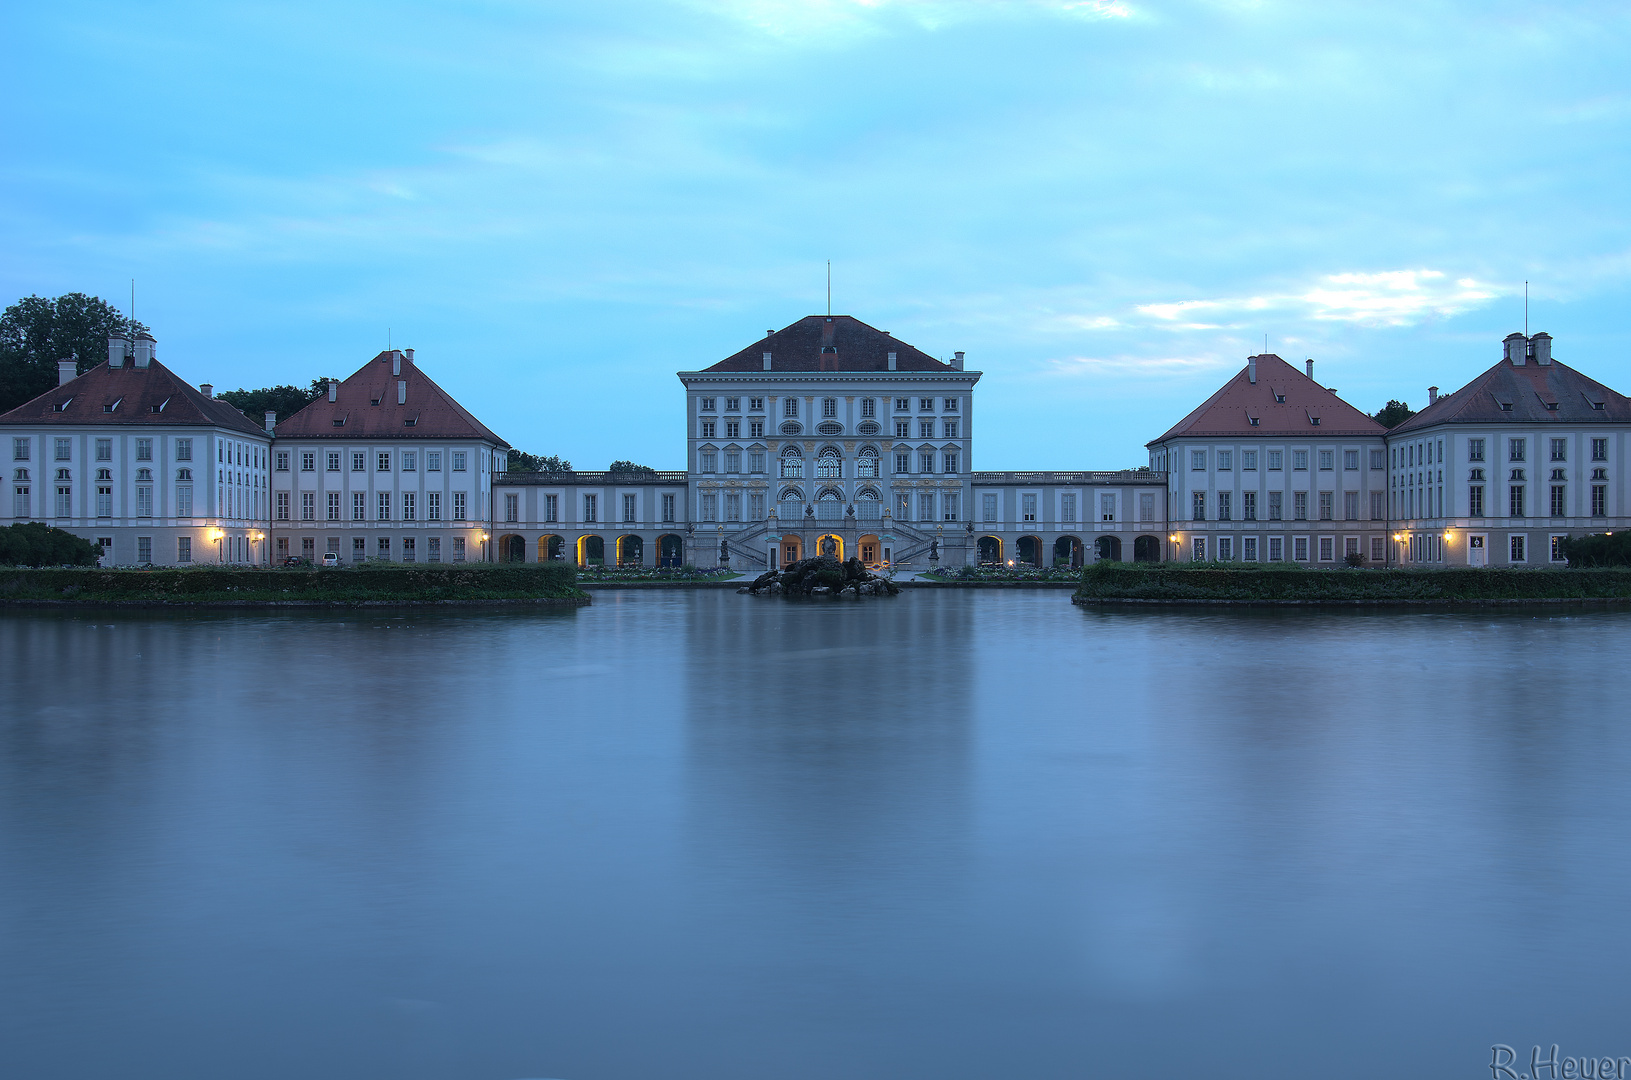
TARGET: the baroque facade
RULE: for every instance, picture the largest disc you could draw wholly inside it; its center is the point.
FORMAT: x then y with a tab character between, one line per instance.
828	436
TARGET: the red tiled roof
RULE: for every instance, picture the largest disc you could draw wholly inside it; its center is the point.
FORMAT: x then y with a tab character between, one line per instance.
830	343
365	407
136	394
1230	411
1528	389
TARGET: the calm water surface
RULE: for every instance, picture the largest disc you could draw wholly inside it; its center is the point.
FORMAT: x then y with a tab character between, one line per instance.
676	835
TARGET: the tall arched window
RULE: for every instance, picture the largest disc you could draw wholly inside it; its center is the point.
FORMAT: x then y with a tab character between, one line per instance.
792	463
867	463
830	466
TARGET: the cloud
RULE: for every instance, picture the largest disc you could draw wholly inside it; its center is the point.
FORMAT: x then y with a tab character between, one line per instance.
1388	298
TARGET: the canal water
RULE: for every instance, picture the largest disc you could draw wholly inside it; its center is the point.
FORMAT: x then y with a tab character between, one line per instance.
953	834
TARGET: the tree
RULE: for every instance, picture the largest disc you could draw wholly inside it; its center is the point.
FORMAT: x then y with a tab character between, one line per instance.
283	400
629	467
1393	414
521	461
34	543
36	332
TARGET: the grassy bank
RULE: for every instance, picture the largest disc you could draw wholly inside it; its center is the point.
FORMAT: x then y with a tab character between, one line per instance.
1183	583
389	584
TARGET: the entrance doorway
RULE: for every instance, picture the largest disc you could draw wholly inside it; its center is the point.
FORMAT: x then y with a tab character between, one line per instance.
670	550
989	551
790	550
1475	550
1067	551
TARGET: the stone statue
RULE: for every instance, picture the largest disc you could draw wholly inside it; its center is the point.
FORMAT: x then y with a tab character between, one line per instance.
724	552
829	546
934	549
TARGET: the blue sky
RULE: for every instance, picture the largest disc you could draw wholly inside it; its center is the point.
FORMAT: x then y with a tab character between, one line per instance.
1106	205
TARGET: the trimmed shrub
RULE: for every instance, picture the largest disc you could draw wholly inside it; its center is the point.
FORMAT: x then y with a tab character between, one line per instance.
34	543
1598	549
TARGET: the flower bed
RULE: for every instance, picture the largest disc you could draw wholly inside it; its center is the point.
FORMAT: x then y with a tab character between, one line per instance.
611	574
998	574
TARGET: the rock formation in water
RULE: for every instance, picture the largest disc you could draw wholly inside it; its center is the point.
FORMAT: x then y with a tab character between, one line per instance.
823	575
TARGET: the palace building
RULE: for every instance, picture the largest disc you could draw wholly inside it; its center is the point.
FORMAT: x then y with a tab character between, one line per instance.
827	436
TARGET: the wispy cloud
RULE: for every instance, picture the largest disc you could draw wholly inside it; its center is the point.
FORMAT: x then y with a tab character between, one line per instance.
1388	298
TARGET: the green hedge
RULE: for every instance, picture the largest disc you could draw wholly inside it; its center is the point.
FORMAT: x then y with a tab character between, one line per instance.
1191	582
393	583
34	543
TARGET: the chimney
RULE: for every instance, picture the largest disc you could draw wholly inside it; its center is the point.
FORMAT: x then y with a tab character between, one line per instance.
144	349
892	362
402	391
1432	395
767	361
333	389
1515	347
271	422
1310	367
118	345
66	370
957	361
396	361
207	389
1251	370
407	354
1541	344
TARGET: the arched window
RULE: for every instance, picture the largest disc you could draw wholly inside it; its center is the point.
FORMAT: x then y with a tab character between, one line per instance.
20	474
144	474
184	474
866	464
830	466
792	463
829	495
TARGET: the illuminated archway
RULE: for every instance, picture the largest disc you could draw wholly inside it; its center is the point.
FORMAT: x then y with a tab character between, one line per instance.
551	548
990	551
1029	550
630	550
591	551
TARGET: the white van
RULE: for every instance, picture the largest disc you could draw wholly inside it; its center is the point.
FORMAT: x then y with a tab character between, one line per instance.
331	559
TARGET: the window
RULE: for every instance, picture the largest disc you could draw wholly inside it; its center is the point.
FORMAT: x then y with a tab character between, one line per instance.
458	461
308	506
1299	506
790	407
903	429
1197	506
1226	547
1350	459
629	504
668	508
1067	506
1327	460
925	429
184	501
460	510
1599	500
104	474
1248	506
308	461
1475	449
1276	505
1027	504
948	429
733	430
756	506
1557	547
1226	460
382	461
869	407
1197	549
710	506
20	502
433	547
410	461
708	461
1275	457
1197	459
1378	459
1515	501
359	461
1248	459
1516	449
1299	460
144	449
1599	450
1475	501
866	463
1146	506
1517	548
707	429
433	463
64	449
829	408
903	463
65	502
1559	503
331	461
1225	506
925	462
925	404
756	430
1326	500
1277	549
950	462
1560	449
756	461
384	506
733	404
359	506
283	506
1350	505
925	507
384	547
756	404
948	506
590	507
1328	552
19	449
707	404
333	507
512	507
104	449
184	449
1378	505
988	506
1299	548
1248	549
104	502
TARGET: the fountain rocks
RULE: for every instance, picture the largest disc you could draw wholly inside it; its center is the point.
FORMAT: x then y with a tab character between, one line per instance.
823	575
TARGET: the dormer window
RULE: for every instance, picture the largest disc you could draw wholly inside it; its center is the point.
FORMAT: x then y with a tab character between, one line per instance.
340	421
1551	406
1252	420
1598	405
1314	420
411	421
160	406
373	401
1506	406
115	405
1279	399
62	406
